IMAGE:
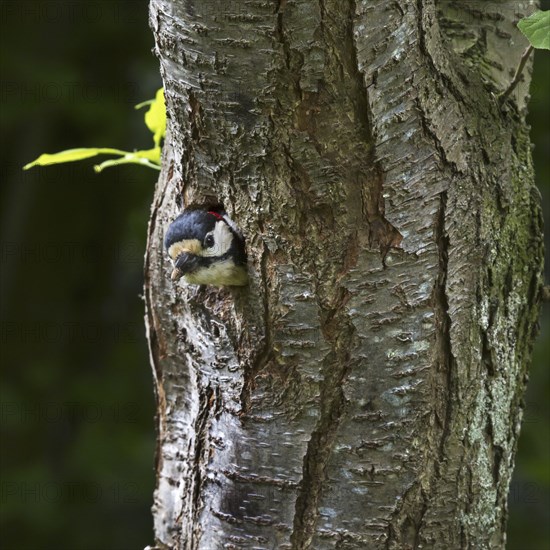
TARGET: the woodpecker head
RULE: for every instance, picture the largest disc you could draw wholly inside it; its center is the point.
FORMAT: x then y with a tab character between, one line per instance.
206	248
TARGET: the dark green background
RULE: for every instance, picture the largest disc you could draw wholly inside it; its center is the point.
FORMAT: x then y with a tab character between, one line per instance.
77	409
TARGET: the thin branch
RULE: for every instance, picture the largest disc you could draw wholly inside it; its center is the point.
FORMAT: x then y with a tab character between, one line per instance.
517	76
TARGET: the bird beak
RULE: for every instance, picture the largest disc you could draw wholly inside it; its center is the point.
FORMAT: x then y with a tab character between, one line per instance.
176	274
185	263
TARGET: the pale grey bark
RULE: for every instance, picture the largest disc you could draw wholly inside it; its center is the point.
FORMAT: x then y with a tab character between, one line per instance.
365	390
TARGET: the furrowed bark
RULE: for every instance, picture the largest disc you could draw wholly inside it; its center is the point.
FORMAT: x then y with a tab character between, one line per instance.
364	391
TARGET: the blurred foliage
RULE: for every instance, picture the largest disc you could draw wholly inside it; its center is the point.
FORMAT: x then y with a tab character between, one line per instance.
77	408
77	405
529	498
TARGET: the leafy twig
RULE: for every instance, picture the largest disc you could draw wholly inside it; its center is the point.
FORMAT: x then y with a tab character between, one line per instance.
502	97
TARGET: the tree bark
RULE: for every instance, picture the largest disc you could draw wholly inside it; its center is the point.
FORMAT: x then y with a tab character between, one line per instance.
365	390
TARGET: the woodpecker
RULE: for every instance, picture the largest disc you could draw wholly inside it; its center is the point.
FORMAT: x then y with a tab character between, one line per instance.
206	248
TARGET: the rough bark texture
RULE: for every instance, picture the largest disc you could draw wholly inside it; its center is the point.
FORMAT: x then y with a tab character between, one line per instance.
365	390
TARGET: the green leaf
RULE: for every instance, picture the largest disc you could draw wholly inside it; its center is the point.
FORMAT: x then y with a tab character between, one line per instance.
70	155
536	28
155	117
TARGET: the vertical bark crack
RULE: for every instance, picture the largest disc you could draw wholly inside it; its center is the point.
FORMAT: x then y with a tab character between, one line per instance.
265	353
332	401
407	521
445	359
428	27
382	234
207	398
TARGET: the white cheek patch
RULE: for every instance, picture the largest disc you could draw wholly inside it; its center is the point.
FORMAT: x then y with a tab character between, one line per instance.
222	241
231	224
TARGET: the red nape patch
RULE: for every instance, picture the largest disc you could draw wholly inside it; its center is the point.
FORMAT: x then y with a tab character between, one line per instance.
216	215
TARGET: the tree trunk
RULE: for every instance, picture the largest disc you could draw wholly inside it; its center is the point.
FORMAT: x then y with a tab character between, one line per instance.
365	390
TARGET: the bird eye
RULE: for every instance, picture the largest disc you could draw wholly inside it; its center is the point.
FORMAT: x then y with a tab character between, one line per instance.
209	241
